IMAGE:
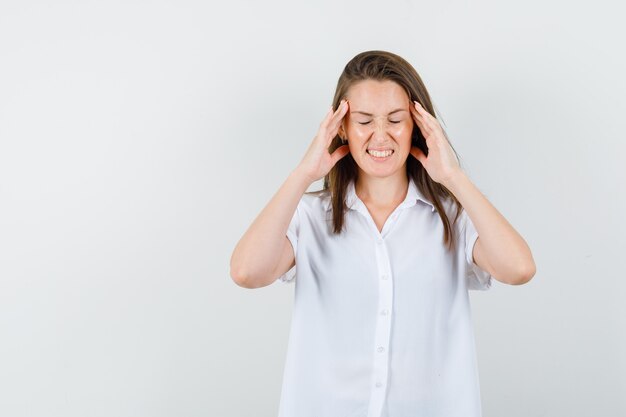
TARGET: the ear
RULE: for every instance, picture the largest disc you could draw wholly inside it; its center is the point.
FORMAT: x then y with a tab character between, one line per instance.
341	132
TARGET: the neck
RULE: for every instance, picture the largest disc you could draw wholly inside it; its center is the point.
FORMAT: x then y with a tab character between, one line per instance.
382	192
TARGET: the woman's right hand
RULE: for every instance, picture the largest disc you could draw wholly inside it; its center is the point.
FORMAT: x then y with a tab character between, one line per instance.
318	161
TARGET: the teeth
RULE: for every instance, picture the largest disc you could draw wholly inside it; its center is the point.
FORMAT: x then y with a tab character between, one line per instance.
380	154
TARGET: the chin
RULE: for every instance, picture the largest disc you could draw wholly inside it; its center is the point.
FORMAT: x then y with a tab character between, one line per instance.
381	173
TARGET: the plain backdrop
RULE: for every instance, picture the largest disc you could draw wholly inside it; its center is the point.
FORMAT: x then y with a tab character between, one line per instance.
139	140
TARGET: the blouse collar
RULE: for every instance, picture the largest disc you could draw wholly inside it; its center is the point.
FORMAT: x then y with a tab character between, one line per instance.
354	202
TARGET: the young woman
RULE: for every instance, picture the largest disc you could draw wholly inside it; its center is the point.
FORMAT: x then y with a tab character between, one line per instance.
385	255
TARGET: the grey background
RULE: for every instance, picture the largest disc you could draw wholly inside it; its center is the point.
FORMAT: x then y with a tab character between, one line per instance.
140	139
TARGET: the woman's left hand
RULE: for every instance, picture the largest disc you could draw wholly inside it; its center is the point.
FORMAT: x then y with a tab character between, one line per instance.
441	163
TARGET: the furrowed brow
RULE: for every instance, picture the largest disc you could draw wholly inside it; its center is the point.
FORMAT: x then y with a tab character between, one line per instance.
370	114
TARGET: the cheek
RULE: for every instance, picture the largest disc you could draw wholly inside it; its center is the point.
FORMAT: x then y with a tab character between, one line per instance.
402	129
360	131
402	132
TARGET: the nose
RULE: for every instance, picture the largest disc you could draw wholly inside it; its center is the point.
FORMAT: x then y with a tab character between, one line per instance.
380	128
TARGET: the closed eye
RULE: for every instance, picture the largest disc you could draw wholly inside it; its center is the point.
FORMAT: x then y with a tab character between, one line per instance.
392	121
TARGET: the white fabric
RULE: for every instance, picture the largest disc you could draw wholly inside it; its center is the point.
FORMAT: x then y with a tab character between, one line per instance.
381	324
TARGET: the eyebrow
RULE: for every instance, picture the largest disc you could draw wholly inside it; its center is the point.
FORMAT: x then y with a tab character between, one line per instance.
369	114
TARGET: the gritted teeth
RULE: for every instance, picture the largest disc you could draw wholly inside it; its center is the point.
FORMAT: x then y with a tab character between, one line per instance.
380	154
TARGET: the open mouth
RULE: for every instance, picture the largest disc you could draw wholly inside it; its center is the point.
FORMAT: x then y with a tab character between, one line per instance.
380	155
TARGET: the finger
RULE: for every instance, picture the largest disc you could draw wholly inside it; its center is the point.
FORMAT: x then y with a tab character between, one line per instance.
339	153
417	116
338	116
325	132
429	118
429	128
421	123
421	108
327	118
418	154
326	123
335	122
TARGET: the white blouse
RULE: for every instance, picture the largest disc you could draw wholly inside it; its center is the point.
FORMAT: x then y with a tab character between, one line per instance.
381	323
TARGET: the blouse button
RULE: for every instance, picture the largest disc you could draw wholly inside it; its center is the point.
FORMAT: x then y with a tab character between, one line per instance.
379	241
380	348
384	312
384	277
379	384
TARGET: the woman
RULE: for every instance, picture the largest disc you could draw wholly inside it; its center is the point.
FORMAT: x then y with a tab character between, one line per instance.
385	255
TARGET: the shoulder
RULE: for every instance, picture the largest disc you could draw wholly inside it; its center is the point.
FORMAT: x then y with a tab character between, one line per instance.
450	208
318	199
315	201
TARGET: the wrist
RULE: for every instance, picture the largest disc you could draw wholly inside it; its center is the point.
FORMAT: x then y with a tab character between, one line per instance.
301	177
456	181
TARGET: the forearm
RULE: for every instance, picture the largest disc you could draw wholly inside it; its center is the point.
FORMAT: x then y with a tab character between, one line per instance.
258	252
503	248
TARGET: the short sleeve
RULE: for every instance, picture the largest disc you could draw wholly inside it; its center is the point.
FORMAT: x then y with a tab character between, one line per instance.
478	278
292	235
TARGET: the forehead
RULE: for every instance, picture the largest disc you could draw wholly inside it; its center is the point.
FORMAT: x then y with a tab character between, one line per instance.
377	94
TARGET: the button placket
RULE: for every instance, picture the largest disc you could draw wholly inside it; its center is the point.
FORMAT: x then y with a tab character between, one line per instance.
383	329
